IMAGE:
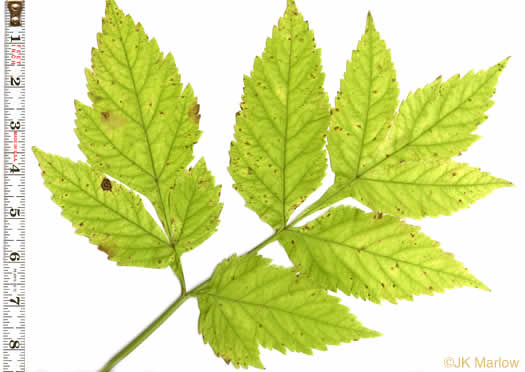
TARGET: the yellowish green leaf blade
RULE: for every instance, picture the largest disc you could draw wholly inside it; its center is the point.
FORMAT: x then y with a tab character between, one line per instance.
250	303
277	158
373	256
110	215
143	124
438	120
364	107
194	207
418	189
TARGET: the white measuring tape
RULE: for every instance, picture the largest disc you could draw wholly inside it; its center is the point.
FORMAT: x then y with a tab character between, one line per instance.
14	260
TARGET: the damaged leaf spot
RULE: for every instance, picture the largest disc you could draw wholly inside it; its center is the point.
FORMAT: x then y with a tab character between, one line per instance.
106	184
111	121
193	113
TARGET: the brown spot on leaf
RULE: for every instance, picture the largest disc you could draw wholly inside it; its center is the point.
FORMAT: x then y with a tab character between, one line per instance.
106	185
111	120
193	113
104	249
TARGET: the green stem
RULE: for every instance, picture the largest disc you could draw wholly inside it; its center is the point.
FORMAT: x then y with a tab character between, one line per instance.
144	334
271	239
182	281
129	348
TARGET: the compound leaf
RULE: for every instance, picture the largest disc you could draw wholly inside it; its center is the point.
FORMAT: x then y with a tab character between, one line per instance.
143	123
250	303
110	215
277	158
194	207
372	256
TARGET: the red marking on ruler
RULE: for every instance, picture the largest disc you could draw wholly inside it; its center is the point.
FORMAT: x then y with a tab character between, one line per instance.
15	147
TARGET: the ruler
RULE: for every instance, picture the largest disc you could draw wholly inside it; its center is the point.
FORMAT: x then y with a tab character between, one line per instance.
14	259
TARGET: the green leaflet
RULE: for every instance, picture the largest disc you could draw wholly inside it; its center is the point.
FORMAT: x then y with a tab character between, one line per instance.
110	215
194	207
424	188
373	257
143	124
438	120
364	106
248	303
277	158
368	150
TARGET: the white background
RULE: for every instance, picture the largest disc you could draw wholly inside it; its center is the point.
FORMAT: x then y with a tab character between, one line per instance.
82	308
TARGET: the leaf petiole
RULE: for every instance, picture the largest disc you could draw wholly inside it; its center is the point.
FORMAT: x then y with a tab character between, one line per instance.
129	348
